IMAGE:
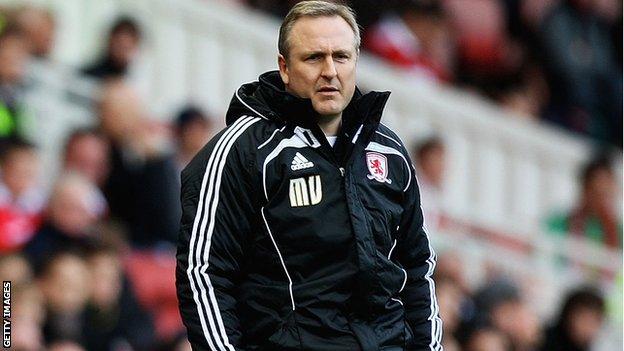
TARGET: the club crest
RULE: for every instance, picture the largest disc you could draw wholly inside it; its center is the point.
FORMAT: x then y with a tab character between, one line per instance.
378	167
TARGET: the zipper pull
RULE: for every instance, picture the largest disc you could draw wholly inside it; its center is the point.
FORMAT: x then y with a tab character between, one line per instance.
342	171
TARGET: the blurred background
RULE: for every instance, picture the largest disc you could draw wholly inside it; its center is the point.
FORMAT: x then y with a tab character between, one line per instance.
512	108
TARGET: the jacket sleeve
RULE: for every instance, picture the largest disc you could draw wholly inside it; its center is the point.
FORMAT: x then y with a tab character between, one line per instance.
418	259
215	226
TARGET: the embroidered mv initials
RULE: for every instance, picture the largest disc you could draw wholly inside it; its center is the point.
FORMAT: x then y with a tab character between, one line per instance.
305	193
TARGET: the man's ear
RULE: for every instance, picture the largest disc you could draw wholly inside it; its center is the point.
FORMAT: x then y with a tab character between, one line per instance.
283	68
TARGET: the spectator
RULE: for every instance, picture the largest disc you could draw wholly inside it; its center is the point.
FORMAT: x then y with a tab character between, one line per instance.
16	269
28	314
487	339
65	286
416	38
113	316
65	345
586	80
485	50
54	95
450	299
21	197
75	207
87	152
194	129
595	216
39	28
524	92
450	266
579	322
13	55
142	189
502	306
180	343
430	156
122	48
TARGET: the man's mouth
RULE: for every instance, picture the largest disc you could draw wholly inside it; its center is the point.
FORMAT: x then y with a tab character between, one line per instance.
328	89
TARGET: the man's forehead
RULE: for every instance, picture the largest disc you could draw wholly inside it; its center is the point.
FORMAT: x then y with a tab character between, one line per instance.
321	33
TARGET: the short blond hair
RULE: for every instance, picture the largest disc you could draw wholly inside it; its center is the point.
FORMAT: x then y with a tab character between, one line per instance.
316	8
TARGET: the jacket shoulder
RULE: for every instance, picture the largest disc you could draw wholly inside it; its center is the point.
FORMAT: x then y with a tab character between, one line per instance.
240	138
387	137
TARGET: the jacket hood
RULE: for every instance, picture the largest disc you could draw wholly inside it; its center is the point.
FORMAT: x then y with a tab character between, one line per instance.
267	98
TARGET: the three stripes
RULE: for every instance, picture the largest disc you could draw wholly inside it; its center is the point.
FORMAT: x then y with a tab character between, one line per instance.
203	292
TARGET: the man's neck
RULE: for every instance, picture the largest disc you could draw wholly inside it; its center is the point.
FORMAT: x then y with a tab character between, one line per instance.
330	125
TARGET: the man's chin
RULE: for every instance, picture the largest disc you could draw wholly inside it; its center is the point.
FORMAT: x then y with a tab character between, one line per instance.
328	111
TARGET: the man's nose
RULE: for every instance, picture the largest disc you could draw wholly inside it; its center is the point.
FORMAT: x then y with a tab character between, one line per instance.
329	68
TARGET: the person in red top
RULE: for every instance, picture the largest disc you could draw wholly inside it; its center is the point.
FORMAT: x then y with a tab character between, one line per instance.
21	198
416	38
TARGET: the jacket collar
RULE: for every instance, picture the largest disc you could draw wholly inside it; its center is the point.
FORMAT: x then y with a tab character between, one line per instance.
268	99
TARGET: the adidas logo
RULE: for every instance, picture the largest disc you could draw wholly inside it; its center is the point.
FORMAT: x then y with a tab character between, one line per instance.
300	162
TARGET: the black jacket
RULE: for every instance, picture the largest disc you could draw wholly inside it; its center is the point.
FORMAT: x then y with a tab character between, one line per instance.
289	244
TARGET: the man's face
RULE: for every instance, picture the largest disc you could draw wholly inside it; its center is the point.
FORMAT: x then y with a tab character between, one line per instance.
584	325
13	55
123	48
88	154
321	63
21	171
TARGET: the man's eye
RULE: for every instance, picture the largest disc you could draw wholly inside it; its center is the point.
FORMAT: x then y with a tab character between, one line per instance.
312	58
342	57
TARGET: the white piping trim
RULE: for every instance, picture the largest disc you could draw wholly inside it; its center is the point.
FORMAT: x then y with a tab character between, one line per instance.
404	280
392	248
434	317
397	300
193	272
271	137
290	290
357	134
383	135
244	103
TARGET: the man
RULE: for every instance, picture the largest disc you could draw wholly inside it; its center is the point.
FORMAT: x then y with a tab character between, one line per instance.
141	187
22	198
430	157
301	225
579	323
123	44
595	216
87	152
192	129
13	55
39	28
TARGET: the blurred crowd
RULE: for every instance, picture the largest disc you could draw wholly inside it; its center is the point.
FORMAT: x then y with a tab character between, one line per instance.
497	315
90	245
551	60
